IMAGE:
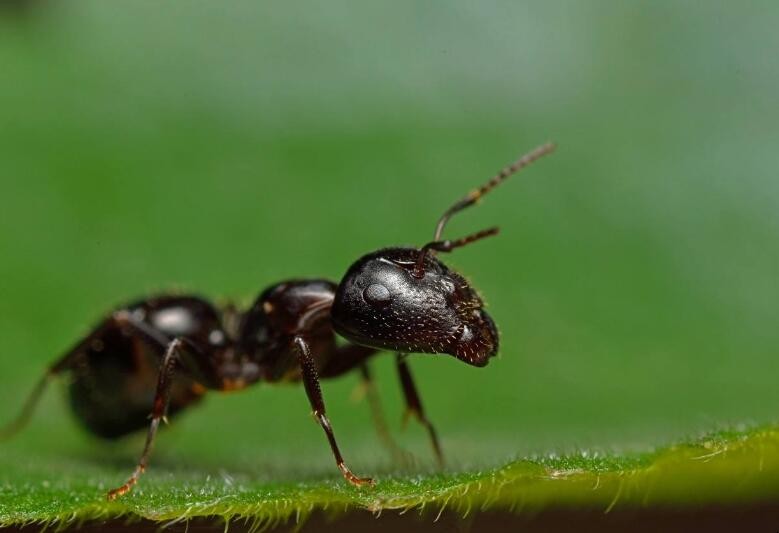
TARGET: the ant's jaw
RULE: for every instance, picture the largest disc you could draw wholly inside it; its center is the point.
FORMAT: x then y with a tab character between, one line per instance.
478	340
381	304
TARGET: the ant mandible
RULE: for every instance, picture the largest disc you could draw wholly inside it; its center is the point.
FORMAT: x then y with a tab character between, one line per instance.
161	354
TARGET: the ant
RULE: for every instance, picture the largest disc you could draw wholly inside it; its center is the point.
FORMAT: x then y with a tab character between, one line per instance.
162	354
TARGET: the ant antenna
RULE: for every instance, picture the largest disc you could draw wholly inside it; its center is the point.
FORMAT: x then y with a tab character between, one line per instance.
473	196
468	200
448	246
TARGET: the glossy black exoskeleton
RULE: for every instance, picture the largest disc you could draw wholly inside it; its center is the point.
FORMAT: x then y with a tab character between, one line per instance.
158	356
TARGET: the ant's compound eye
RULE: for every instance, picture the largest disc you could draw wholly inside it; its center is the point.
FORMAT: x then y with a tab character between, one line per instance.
377	295
447	285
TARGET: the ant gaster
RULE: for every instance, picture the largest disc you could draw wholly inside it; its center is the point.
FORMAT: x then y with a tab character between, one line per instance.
161	354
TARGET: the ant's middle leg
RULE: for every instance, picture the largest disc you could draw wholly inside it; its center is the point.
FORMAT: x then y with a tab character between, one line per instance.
314	392
161	400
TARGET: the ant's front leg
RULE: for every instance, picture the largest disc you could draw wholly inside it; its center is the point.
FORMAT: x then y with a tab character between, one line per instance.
377	413
161	399
414	405
314	392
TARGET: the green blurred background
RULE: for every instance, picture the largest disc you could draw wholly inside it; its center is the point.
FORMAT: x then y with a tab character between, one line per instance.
219	148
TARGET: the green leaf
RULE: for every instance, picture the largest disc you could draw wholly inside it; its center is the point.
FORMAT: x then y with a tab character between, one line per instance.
727	467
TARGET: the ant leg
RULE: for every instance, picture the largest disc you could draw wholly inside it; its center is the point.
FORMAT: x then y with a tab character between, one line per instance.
379	421
63	363
161	398
314	392
121	319
414	405
13	427
347	358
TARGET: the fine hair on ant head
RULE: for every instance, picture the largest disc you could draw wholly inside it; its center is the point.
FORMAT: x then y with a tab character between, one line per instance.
438	245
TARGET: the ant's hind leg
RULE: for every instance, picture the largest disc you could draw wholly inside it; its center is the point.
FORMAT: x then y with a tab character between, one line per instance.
414	405
161	399
377	414
18	423
64	363
314	392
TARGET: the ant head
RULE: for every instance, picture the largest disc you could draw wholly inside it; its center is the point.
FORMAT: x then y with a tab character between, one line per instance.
407	300
381	303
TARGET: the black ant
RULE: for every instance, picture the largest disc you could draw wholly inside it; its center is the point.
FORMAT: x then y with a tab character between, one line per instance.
161	354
